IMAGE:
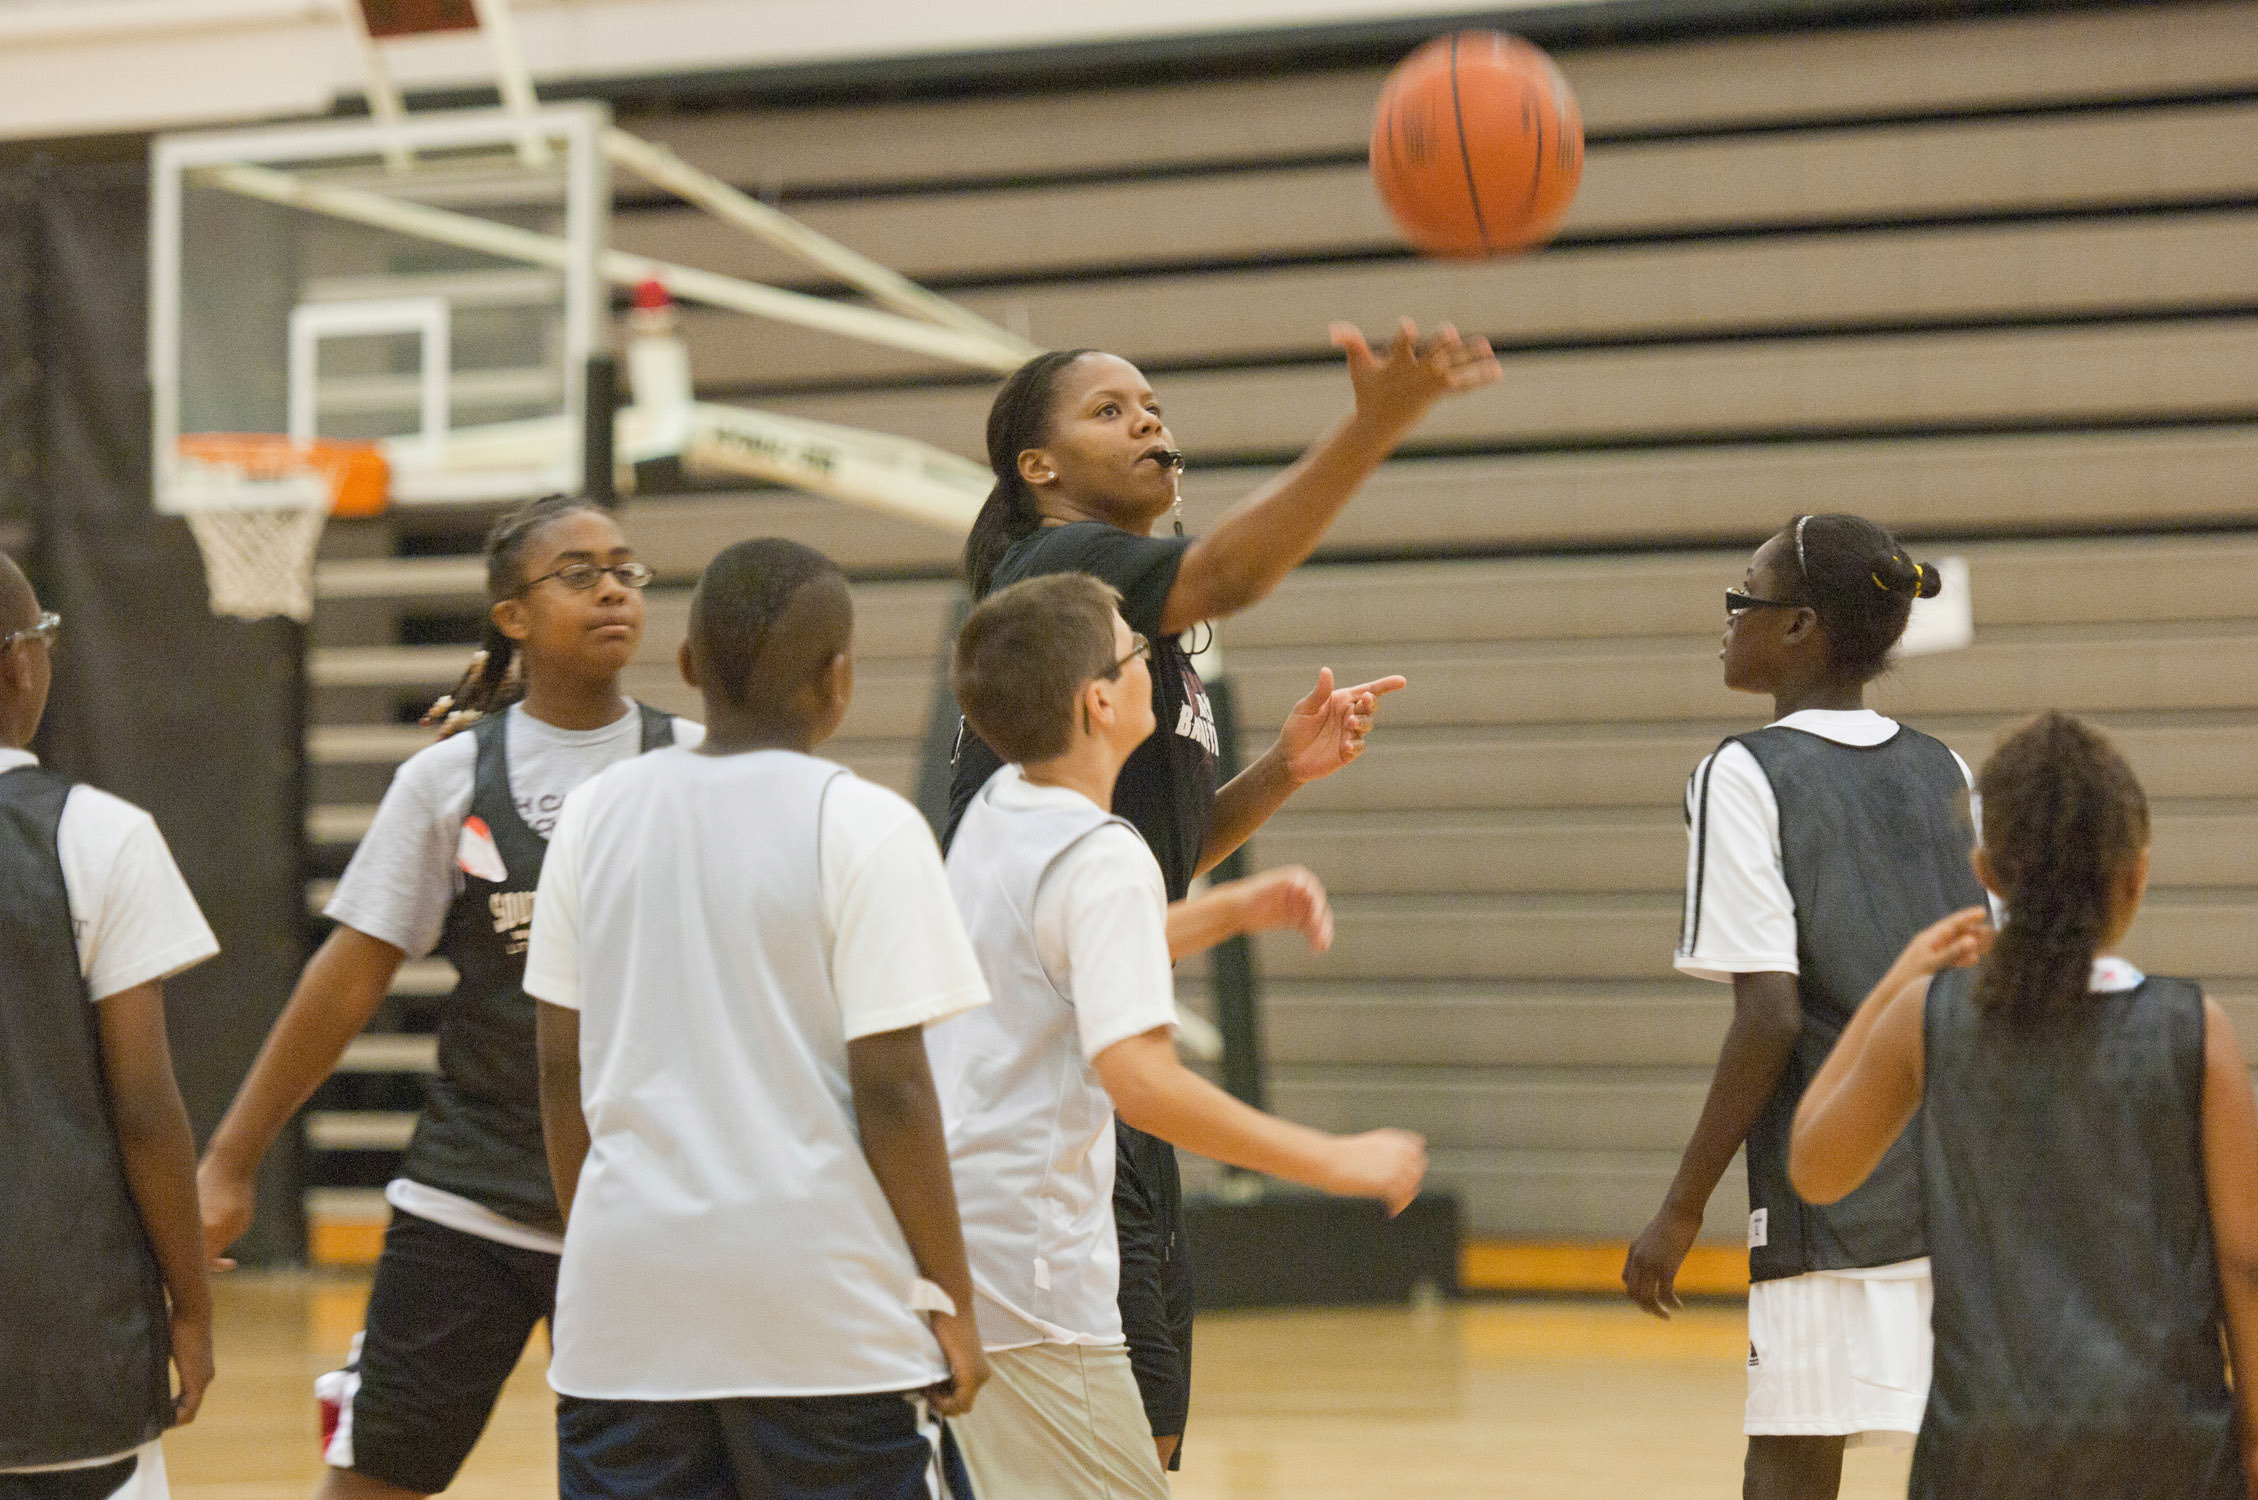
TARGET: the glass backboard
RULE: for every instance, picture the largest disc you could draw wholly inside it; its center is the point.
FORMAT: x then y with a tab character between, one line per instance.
428	287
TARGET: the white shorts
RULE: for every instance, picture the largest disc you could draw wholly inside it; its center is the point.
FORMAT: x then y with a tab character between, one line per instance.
1841	1353
1059	1420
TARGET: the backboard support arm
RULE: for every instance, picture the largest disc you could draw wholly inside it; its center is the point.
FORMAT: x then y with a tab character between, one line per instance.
883	285
621	268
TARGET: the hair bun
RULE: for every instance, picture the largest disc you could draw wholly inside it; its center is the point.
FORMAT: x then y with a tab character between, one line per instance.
1899	574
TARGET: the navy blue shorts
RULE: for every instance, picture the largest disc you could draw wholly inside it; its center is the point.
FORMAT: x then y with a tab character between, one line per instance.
886	1446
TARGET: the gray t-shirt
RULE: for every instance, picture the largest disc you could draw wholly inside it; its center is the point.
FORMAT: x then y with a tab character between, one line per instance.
404	875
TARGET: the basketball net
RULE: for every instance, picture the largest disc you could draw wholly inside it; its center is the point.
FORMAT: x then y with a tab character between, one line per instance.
257	506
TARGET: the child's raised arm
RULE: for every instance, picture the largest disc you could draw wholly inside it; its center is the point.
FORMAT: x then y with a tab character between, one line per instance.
1870	1084
159	1152
2230	1182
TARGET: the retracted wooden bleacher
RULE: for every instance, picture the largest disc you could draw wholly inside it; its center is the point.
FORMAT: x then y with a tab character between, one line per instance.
1993	282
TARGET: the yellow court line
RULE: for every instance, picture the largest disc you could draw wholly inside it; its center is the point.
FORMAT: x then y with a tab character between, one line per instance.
1483	1265
1573	1266
343	1242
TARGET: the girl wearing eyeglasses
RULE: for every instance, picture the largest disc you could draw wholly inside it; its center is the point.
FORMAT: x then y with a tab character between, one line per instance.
450	865
1819	846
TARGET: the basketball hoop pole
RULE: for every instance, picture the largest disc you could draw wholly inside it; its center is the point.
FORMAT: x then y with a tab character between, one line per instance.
514	79
384	99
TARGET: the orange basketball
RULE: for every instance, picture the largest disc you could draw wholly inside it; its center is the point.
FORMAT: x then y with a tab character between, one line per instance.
1477	146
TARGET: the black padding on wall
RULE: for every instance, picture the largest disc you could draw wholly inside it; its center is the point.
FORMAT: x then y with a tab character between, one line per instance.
195	718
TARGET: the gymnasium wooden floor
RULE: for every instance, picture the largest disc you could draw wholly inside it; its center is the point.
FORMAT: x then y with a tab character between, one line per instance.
1563	1398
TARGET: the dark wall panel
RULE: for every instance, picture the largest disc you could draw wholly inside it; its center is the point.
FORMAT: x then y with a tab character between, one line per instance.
192	717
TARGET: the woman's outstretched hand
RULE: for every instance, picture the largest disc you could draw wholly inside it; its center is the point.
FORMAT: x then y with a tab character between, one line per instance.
1327	729
1394	390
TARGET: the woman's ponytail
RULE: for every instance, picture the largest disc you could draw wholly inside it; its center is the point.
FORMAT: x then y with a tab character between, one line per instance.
1019	419
1008	515
490	683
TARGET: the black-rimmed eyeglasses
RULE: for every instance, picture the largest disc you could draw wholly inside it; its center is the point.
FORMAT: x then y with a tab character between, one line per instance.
1736	601
580	577
42	630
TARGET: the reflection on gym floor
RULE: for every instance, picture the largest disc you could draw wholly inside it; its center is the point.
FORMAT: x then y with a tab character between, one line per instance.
1479	1399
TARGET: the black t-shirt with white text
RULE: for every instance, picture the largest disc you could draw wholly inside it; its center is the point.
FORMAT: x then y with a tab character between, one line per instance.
1167	788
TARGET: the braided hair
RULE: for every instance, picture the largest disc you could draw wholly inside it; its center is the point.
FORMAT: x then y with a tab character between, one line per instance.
1862	586
2063	816
1019	420
495	677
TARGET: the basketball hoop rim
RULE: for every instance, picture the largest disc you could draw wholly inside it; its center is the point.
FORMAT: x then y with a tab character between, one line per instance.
266	471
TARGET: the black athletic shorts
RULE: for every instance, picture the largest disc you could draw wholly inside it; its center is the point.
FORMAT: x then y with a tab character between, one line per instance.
448	1319
97	1483
883	1446
1156	1277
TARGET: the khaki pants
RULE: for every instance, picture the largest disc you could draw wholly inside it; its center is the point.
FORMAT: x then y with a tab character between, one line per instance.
1060	1422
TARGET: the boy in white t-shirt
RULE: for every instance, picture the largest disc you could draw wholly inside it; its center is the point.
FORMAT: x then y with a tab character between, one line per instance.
1069	917
736	950
102	1278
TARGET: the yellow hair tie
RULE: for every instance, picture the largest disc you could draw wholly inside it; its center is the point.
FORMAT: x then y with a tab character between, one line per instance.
1885	588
